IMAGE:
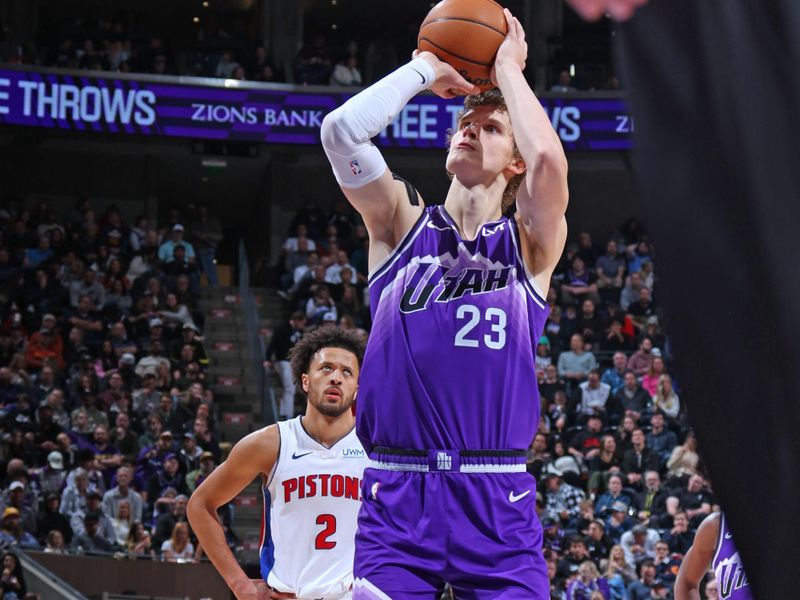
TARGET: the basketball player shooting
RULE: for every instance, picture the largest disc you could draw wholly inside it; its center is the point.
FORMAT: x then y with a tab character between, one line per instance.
448	397
311	468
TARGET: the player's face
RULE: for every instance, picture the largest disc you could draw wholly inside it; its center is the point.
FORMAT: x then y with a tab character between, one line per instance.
482	147
332	381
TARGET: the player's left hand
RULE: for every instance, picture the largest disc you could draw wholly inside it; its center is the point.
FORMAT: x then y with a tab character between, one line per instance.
276	595
514	49
619	10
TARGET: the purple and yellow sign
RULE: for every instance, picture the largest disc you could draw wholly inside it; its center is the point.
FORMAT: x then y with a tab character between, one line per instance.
239	111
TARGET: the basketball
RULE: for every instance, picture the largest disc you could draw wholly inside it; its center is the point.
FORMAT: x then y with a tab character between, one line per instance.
466	34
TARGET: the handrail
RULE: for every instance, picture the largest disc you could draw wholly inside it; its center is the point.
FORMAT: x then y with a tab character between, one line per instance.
52	586
255	341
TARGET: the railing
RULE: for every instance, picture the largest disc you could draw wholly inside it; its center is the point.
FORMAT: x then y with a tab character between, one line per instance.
44	583
255	341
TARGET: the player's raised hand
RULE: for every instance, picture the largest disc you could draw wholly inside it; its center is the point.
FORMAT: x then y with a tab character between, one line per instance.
449	83
514	49
619	10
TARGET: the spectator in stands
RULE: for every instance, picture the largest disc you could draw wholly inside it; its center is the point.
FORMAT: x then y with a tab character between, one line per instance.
683	461
145	399
139	544
630	293
12	578
592	398
642	359
564	84
167	476
107	456
563	499
639	544
587	583
575	364
614	494
226	65
639	459
632	398
54	543
651	378
618	521
666	565
91	541
590	324
88	286
619	568
695	500
576	554
638	253
607	462
206	234
178	548
121	520
189	455
42	347
198	475
333	272
614	376
123	492
642	589
84	318
51	518
580	283
651	503
346	72
205	436
166	250
24	505
661	439
13	534
680	537
587	442
52	476
610	269
153	360
598	544
665	398
165	524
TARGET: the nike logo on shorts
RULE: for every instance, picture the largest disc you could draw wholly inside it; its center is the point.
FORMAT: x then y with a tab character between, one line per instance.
512	498
295	455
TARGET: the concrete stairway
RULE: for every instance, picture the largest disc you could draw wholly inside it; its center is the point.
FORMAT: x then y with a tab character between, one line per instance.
233	377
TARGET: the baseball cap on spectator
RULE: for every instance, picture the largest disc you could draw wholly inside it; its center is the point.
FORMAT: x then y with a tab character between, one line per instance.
49	317
127	358
10	511
166	433
170	456
93	493
544	341
16	485
191	326
177	227
55	460
656	352
156	322
652	320
206	456
599	523
189	436
619	507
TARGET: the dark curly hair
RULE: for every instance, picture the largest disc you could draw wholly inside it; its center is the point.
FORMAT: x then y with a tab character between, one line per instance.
493	98
327	336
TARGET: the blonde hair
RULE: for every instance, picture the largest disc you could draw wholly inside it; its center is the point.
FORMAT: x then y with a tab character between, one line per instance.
495	99
174	537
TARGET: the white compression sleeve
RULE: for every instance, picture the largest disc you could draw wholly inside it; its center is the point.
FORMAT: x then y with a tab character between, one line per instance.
346	131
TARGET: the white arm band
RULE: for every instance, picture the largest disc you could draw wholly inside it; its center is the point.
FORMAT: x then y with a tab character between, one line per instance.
346	131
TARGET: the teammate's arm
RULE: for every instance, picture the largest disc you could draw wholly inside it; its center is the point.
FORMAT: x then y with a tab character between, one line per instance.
359	166
543	196
697	559
252	456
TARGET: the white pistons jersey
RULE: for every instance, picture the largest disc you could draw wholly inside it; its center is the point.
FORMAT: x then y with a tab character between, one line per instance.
311	504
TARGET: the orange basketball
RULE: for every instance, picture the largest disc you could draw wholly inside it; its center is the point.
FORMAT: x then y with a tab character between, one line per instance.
466	34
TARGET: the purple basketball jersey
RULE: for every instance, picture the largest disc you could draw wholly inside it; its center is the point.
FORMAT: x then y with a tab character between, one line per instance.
450	359
732	583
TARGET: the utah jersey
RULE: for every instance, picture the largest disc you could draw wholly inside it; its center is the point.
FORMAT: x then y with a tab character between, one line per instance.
311	504
450	358
732	583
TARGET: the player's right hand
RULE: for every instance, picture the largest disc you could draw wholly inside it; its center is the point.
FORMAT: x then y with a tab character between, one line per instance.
276	595
449	83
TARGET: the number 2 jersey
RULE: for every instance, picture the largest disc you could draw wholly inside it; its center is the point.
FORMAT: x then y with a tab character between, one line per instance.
311	504
450	358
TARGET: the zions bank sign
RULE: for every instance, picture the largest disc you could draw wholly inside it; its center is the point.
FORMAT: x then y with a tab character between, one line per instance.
219	109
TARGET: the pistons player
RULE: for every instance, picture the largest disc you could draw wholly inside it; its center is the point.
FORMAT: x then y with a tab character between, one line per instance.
311	469
713	545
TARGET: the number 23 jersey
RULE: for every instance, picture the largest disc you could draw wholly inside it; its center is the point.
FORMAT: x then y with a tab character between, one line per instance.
311	504
450	358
